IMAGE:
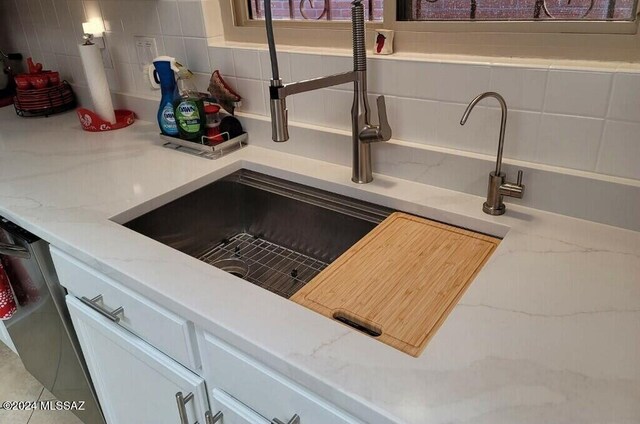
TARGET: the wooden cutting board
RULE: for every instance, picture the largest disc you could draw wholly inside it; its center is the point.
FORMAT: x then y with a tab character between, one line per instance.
400	281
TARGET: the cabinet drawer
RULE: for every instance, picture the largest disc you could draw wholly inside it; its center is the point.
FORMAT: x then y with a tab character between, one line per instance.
161	328
262	389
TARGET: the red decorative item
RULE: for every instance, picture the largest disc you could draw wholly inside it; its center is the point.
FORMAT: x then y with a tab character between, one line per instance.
39	81
34	68
7	301
22	81
54	78
93	123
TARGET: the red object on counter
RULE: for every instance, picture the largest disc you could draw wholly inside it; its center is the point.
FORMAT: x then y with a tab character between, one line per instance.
39	81
22	81
34	68
92	122
7	301
213	124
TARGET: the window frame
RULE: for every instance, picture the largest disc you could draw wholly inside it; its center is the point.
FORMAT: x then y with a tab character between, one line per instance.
585	40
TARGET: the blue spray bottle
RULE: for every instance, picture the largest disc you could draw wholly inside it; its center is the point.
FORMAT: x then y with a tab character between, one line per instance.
164	74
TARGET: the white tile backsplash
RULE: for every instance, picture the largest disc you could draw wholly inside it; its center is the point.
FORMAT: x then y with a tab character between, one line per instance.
191	18
620	150
222	60
522	88
197	54
625	98
569	141
247	63
578	93
167	12
551	110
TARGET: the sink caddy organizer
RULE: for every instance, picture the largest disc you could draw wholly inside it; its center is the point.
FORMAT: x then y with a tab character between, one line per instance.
205	148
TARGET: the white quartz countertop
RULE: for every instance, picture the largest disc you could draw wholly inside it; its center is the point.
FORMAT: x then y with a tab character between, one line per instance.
549	332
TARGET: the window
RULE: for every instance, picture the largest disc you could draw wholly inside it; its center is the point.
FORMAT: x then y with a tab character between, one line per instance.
516	10
315	10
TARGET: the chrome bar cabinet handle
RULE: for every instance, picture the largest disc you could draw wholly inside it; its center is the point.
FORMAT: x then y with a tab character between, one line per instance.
14	250
294	420
182	406
110	315
212	419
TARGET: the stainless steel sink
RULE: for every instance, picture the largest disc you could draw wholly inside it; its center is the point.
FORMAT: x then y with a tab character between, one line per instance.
271	232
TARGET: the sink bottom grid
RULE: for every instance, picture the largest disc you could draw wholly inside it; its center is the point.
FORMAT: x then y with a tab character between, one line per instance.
278	269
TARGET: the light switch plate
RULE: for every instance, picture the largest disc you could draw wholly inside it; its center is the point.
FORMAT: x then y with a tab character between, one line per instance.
147	50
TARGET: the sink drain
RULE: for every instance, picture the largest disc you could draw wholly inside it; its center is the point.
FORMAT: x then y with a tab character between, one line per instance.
233	266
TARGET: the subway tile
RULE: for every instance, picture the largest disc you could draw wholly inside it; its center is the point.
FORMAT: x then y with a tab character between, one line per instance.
118	45
522	135
308	107
381	76
174	47
522	88
113	14
415	120
337	109
169	18
569	141
191	19
252	96
124	75
36	13
620	150
50	16
625	98
305	66
578	93
247	63
332	64
458	82
415	79
222	60
197	55
284	67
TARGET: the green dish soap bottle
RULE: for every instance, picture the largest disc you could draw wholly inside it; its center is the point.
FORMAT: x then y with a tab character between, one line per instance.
189	107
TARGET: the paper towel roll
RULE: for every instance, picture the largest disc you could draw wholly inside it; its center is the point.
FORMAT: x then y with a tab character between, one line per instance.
97	81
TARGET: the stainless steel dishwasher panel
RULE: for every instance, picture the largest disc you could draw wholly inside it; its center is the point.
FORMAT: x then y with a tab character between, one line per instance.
41	328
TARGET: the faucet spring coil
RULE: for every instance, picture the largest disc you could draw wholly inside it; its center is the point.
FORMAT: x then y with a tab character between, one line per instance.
358	32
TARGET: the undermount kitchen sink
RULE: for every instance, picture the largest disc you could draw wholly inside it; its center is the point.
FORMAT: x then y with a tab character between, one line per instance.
274	233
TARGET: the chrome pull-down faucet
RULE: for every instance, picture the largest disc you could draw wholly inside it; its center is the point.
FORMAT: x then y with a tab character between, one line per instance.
363	132
498	186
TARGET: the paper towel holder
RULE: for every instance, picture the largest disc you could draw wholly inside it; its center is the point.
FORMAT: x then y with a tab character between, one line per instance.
91	122
93	32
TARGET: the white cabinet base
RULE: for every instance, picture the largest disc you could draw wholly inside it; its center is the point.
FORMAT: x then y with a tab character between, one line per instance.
135	382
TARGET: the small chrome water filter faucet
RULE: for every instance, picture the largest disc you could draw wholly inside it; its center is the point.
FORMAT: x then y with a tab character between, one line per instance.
498	186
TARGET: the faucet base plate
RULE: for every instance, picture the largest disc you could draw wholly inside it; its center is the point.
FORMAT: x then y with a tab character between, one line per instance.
500	210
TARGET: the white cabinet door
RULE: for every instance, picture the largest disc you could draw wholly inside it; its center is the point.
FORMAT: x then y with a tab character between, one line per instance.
234	412
135	382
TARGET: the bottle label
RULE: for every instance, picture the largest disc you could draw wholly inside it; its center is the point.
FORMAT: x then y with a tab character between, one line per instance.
188	117
169	120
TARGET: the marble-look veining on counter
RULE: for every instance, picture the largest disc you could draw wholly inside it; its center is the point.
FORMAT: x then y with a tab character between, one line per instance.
548	332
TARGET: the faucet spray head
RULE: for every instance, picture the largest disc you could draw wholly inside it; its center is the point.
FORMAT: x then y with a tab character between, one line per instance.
279	113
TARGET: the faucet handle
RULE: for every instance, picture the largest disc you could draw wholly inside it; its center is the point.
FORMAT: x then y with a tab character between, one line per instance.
383	121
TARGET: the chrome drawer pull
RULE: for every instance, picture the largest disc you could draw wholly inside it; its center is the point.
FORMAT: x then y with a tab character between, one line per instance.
15	251
111	315
182	406
212	419
294	420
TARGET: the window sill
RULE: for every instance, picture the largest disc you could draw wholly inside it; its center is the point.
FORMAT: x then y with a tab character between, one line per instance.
540	63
